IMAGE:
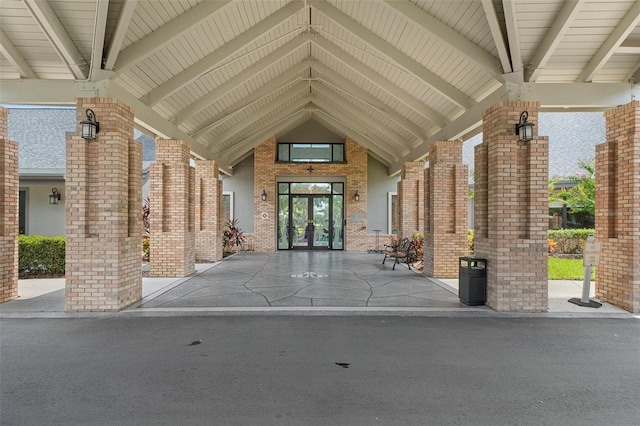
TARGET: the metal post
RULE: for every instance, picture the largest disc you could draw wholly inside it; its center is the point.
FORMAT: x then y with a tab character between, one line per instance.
590	258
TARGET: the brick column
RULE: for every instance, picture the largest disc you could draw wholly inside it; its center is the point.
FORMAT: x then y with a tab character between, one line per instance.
8	212
172	216
411	199
511	214
208	212
446	209
618	209
103	220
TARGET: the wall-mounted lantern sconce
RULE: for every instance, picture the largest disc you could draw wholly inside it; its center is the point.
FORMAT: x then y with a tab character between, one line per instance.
264	195
356	196
54	197
524	129
90	127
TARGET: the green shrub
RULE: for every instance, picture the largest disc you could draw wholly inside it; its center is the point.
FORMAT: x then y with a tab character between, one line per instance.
41	255
569	241
471	240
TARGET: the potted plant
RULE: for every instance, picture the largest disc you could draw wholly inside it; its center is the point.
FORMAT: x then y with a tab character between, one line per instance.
233	237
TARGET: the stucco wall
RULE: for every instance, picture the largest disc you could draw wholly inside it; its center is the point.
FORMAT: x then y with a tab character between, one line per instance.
43	218
241	183
378	187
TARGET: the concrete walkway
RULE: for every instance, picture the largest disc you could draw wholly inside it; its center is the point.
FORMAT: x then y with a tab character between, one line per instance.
309	283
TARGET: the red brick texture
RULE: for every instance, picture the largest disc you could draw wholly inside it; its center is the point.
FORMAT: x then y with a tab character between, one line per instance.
103	220
618	209
446	209
511	210
267	171
172	215
411	199
8	212
208	212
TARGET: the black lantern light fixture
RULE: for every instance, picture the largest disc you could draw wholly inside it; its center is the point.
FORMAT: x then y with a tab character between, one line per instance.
356	196
90	127
55	196
524	129
264	195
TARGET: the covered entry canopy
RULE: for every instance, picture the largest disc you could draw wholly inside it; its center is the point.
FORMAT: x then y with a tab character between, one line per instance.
395	75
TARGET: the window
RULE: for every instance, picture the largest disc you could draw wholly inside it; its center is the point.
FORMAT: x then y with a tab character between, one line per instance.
227	205
392	213
311	152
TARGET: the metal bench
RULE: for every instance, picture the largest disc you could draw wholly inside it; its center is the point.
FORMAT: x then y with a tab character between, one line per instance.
404	250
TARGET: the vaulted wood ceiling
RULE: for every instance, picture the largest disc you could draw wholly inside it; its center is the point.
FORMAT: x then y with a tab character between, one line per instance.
395	75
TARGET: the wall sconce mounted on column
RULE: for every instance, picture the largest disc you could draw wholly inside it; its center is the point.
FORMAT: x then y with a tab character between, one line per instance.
264	195
90	127
524	129
54	197
356	196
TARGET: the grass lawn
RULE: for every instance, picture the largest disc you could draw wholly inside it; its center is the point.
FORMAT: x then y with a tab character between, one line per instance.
566	269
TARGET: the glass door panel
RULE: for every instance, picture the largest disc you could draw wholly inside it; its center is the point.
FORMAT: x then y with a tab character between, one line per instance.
337	232
283	222
300	221
321	216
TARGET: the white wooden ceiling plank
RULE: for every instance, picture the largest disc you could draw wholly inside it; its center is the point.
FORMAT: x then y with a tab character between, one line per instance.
239	78
59	38
625	26
445	34
215	58
374	41
163	35
15	58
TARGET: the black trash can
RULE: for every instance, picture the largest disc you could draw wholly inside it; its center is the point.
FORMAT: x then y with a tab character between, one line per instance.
472	281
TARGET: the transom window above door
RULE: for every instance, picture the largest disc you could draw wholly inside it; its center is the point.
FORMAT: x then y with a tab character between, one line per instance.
311	152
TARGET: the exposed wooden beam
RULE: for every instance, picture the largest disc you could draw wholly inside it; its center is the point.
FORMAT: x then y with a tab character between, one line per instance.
513	35
291	101
159	38
288	77
447	35
608	48
349	89
16	59
361	115
117	37
554	36
240	78
218	56
58	37
387	49
97	49
380	81
498	37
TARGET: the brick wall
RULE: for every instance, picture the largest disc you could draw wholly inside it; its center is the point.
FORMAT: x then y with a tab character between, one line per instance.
411	199
267	171
446	209
172	214
208	212
103	211
8	212
618	209
511	214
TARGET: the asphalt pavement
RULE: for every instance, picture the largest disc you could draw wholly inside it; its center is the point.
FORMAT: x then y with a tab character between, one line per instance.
302	370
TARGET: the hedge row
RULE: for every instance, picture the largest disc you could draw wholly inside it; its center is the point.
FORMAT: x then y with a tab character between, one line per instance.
568	241
40	255
561	241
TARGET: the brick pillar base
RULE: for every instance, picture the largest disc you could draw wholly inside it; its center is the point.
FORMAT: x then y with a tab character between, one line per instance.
511	214
446	210
410	199
172	211
8	213
104	194
618	209
208	212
